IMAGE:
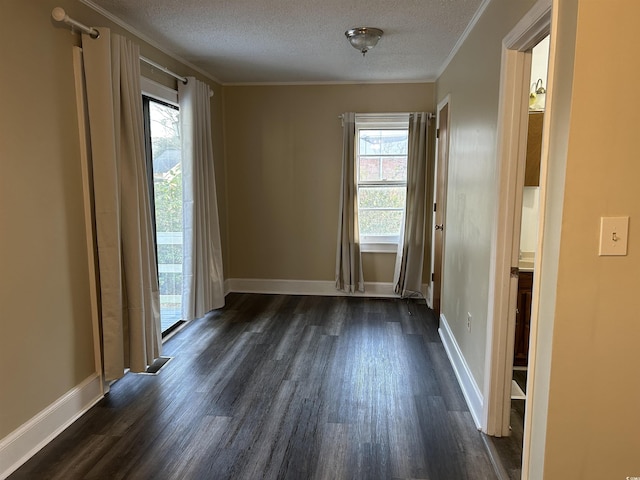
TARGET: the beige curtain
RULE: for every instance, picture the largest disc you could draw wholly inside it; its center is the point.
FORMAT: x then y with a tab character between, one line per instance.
129	297
202	275
411	248
349	276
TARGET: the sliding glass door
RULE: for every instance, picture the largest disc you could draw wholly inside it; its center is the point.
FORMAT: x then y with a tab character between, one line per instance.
162	132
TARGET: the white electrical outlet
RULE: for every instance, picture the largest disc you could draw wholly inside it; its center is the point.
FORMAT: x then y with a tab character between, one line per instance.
468	321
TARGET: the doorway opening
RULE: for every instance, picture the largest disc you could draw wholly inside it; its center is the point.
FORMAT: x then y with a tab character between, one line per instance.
509	448
513	122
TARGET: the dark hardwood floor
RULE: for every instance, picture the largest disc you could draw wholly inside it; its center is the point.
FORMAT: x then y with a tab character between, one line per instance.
507	451
283	387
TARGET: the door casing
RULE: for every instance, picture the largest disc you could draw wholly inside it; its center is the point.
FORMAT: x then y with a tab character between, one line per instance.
440	202
512	131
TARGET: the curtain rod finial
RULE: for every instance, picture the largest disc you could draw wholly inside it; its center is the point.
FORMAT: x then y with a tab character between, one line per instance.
58	14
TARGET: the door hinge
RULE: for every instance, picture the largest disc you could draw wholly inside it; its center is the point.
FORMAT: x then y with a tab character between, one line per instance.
433	277
434	207
437	133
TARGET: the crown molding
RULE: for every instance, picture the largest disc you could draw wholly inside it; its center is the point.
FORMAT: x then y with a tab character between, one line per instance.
337	82
464	36
121	23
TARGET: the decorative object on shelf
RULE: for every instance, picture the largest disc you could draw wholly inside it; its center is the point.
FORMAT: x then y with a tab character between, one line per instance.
363	38
537	96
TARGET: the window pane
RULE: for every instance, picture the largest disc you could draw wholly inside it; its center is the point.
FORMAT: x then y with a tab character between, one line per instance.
394	168
380	222
382	158
380	210
383	142
167	190
381	197
369	169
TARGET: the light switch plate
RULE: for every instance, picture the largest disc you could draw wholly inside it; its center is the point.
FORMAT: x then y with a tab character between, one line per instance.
613	235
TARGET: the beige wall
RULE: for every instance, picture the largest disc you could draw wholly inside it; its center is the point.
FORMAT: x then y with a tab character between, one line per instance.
284	147
46	344
282	178
594	396
472	80
585	401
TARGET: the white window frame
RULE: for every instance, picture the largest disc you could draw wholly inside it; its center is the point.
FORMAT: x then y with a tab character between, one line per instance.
397	121
158	91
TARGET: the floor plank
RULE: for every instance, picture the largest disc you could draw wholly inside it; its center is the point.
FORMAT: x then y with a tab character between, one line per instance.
507	451
283	387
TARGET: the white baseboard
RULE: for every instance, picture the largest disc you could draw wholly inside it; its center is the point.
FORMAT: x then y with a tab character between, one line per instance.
24	442
305	287
470	390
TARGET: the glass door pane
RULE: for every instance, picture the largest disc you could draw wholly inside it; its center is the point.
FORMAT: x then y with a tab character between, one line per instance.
167	190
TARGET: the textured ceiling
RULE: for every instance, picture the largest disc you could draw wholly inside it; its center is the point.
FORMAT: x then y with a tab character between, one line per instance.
288	41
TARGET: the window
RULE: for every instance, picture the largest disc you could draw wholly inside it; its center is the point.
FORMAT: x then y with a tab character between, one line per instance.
164	157
381	157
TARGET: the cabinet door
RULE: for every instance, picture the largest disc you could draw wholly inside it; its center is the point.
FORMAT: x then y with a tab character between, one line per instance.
534	147
523	320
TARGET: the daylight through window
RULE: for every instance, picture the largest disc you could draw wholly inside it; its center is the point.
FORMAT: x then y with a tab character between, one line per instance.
165	158
381	156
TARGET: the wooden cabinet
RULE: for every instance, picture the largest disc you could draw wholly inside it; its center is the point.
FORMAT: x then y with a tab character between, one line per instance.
523	319
534	146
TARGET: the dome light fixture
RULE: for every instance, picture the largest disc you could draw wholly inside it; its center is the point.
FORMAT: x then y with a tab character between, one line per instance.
363	38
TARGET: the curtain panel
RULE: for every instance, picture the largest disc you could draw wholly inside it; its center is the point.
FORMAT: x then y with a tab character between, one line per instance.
202	274
411	247
349	276
128	278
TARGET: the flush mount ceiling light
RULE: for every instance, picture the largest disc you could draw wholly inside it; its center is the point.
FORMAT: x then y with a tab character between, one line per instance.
363	38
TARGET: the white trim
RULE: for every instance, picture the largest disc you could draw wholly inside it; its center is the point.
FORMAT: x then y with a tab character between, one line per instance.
463	37
511	144
156	90
110	16
469	387
531	29
378	247
427	80
388	121
516	67
306	287
24	442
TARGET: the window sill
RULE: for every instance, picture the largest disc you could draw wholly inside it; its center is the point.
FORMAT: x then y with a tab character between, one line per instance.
379	247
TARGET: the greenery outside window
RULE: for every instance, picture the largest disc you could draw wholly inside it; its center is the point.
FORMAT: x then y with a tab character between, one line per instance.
163	146
381	158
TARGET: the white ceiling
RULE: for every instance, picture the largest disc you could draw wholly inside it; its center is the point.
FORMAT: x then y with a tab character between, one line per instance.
290	41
